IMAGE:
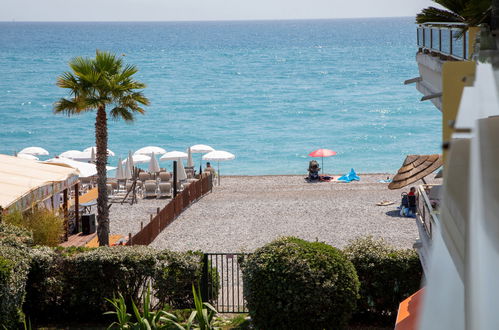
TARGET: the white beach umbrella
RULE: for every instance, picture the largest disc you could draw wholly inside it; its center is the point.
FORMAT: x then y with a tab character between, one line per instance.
201	149
218	156
153	164
35	151
138	159
92	155
173	155
149	150
71	154
27	156
119	171
190	163
89	149
127	171
181	175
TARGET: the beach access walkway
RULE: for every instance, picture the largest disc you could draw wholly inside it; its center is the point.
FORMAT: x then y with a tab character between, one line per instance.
246	212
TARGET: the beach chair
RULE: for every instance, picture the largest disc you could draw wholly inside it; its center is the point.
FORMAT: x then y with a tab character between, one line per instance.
150	188
144	176
164	176
165	189
110	190
313	171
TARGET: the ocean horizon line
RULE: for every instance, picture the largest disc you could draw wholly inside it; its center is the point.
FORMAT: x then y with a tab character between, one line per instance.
217	20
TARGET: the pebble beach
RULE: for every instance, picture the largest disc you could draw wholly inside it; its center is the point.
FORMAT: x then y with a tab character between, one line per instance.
246	212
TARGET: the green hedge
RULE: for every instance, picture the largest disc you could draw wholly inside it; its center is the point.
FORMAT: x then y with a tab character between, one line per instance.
387	277
71	284
294	284
14	267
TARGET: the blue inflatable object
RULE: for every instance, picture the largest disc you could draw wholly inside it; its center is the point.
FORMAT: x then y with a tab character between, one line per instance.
352	176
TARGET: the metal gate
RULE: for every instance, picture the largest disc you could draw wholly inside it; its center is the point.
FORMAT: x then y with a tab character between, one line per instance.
222	282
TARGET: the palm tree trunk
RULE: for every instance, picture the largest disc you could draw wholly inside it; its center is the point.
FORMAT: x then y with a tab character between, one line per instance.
101	162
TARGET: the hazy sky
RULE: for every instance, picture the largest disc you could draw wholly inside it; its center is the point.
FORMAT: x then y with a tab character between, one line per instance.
170	10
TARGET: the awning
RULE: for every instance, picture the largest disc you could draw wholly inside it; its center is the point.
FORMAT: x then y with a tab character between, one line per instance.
415	168
409	312
25	182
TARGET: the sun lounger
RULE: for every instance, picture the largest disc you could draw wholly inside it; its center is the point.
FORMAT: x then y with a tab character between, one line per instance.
165	189
164	176
144	176
150	188
110	190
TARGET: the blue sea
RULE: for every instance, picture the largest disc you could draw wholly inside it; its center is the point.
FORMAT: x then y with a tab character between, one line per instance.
269	92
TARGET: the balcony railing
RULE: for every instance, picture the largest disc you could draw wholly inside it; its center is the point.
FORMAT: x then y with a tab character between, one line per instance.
446	39
427	212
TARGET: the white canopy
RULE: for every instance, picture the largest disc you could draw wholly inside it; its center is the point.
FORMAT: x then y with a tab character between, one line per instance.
89	149
27	156
190	163
149	150
218	156
92	155
201	148
35	151
174	155
85	169
139	159
153	164
127	171
23	183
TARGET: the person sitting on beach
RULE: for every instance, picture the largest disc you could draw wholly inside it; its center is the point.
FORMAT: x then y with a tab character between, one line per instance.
210	169
313	170
408	204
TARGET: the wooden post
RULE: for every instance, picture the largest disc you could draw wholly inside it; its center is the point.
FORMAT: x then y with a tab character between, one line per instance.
157	210
77	206
66	213
130	239
141	226
174	178
150	217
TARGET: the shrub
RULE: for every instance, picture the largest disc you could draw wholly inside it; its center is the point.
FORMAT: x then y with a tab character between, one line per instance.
175	275
295	284
387	277
14	266
46	226
14	236
71	284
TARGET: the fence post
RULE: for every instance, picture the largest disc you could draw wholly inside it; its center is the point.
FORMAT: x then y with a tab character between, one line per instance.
130	239
204	279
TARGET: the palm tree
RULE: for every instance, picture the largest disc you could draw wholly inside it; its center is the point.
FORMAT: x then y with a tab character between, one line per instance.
100	84
471	12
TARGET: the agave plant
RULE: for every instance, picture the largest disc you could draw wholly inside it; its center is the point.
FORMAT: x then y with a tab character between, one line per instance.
471	12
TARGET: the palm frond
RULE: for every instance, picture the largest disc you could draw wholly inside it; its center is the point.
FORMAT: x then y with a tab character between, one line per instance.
121	112
432	14
70	107
455	6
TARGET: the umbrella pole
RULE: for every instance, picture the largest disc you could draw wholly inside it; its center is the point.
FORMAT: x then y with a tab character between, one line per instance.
322	164
219	173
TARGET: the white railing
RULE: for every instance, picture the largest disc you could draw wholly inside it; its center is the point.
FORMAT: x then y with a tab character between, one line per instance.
446	39
426	214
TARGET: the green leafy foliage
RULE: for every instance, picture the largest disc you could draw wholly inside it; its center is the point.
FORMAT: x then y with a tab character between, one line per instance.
387	277
46	226
70	284
472	12
147	318
294	284
14	266
14	236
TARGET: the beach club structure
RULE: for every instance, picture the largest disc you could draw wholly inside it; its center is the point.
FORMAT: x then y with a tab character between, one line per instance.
458	221
66	184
